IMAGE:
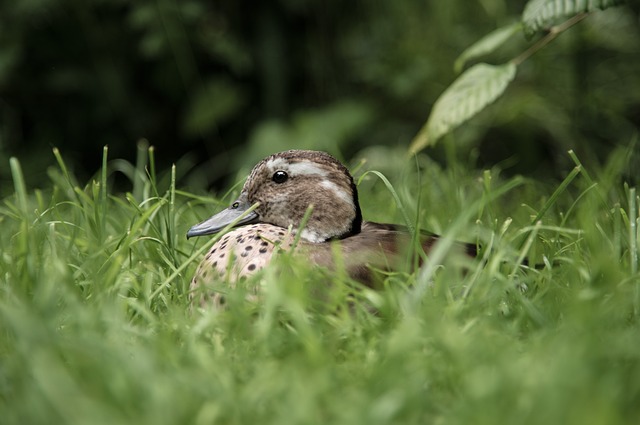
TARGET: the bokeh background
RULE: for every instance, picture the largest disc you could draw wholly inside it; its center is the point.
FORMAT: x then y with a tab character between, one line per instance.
214	85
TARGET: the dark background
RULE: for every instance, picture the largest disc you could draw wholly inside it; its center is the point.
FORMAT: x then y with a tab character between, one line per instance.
218	84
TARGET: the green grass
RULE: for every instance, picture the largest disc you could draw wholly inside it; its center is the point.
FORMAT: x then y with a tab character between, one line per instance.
95	326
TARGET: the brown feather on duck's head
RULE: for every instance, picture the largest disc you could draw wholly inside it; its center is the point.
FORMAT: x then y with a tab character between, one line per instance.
285	185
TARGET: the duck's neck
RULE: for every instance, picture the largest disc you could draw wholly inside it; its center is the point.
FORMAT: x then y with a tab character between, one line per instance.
356	224
324	227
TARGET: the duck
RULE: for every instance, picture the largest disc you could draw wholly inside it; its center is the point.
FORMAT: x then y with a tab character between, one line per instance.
304	200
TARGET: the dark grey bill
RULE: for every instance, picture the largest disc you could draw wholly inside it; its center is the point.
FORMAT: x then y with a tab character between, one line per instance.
224	218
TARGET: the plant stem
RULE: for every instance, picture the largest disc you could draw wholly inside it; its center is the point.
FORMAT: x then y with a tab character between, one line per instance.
554	32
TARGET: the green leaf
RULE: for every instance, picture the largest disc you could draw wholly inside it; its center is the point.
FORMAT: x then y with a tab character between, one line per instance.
469	94
486	44
539	14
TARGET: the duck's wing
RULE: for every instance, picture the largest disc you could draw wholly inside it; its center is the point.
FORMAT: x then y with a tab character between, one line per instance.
378	246
427	239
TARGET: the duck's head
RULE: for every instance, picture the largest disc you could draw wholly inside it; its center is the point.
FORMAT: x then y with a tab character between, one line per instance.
285	185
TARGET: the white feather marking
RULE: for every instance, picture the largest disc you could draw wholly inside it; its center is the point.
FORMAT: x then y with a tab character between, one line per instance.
306	168
296	168
277	164
337	191
311	236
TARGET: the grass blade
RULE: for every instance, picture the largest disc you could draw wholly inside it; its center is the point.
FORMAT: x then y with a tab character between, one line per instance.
556	194
633	231
19	185
396	198
140	173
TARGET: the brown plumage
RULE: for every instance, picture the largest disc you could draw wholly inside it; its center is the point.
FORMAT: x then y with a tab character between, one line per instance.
285	185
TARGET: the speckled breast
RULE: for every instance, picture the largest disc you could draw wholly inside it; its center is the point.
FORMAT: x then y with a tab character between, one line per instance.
240	253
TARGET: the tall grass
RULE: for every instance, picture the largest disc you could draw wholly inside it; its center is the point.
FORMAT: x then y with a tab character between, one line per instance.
95	325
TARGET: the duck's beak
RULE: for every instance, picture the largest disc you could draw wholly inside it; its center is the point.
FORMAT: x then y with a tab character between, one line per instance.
236	214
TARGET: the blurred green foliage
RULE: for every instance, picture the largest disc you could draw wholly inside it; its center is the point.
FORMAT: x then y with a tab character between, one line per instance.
96	328
218	84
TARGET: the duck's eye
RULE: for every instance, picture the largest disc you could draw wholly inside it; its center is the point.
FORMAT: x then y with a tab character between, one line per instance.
280	177
235	205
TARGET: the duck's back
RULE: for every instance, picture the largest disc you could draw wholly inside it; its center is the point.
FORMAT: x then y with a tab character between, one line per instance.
380	246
